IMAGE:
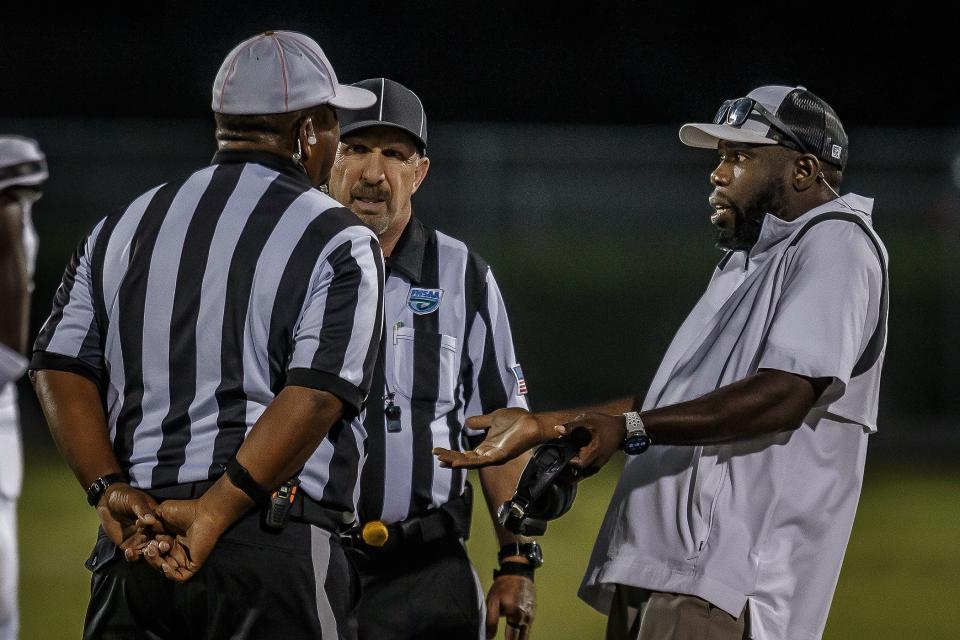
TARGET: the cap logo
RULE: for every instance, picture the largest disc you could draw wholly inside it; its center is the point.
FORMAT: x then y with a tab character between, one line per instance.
835	151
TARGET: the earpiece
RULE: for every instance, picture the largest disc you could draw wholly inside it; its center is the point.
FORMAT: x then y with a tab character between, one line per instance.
299	152
823	179
312	140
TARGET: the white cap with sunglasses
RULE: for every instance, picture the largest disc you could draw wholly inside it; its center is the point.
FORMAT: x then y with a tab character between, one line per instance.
789	116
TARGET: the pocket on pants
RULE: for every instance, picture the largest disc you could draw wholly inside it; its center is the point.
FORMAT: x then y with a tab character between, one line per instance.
702	620
104	552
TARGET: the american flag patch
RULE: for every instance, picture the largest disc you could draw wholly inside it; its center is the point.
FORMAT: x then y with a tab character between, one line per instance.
521	381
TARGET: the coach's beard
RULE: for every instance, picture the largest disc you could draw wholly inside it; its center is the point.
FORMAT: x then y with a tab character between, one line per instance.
748	220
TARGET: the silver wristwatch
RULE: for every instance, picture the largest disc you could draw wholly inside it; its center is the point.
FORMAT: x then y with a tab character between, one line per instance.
636	441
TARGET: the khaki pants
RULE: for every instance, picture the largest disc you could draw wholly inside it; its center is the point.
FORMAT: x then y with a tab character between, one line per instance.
638	614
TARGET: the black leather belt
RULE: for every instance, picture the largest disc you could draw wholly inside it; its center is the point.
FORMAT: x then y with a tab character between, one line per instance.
304	508
186	491
449	521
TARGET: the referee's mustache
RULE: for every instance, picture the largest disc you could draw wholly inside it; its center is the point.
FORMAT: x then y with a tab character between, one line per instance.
370	194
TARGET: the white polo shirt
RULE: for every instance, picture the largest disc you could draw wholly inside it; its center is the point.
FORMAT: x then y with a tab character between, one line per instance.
763	521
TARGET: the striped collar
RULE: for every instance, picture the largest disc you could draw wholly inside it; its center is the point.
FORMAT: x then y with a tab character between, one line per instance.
273	161
407	256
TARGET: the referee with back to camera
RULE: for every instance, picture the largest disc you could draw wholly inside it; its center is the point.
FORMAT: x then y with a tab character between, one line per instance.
209	342
447	353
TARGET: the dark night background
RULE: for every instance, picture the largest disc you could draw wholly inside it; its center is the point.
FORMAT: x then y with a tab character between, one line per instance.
627	63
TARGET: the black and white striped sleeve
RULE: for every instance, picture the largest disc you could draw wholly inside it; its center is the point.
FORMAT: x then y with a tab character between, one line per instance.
498	379
338	336
70	339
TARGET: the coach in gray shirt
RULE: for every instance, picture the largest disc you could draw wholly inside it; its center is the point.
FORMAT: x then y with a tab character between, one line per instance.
734	522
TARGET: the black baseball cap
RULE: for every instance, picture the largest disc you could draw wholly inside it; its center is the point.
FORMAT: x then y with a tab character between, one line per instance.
396	106
807	118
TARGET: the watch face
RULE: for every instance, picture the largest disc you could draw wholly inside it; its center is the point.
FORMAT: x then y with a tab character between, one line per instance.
96	490
636	444
535	555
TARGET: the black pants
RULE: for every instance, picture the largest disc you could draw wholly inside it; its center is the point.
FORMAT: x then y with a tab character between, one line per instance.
256	584
422	594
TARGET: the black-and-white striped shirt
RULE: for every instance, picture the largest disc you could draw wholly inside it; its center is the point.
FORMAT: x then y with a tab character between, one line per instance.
198	303
447	353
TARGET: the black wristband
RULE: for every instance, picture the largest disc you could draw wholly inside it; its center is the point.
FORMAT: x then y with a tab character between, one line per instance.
96	489
242	480
514	569
529	550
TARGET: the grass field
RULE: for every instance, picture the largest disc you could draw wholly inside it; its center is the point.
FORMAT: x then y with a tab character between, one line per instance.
901	578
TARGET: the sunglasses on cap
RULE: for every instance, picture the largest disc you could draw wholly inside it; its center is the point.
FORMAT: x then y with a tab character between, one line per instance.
734	113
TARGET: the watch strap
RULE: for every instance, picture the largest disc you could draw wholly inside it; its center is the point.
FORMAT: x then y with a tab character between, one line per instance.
529	550
99	486
634	423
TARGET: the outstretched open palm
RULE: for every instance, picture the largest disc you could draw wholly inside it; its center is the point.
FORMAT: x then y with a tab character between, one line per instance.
510	432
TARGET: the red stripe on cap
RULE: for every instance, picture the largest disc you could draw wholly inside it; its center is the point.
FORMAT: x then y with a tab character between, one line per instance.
283	72
233	66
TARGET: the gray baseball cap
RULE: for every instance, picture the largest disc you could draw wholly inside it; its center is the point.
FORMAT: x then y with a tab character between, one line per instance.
280	72
21	162
797	116
395	106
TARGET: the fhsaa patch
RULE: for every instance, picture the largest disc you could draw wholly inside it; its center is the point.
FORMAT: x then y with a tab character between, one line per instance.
423	301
